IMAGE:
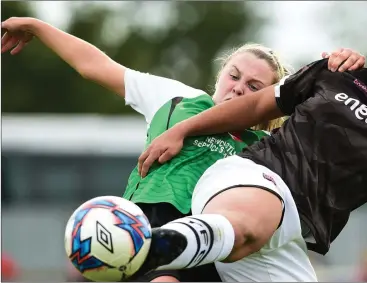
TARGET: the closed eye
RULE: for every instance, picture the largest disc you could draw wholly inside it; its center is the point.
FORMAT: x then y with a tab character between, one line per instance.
236	78
253	87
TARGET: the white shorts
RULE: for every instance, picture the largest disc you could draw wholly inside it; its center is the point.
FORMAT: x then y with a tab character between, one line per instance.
231	172
284	257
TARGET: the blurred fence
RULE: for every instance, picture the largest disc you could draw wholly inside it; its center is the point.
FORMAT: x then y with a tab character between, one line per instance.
51	164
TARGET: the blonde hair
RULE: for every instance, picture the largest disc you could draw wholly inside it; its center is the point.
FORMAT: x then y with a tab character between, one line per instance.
280	70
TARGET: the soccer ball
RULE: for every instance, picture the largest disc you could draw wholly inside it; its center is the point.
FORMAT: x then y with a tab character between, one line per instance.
107	238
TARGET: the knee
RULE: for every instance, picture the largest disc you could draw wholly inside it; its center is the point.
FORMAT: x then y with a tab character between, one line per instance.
244	236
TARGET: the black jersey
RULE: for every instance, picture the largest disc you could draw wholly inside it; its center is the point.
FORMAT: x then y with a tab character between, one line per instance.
321	150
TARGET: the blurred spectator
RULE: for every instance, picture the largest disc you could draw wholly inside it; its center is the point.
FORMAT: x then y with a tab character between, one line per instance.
9	268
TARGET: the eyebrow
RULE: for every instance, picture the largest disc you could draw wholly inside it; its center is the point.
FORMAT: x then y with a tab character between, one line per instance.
253	79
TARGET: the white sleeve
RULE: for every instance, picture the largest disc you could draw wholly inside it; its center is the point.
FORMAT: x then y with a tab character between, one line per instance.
146	93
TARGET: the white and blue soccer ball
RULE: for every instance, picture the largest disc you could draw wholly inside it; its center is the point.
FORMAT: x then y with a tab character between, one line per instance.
107	238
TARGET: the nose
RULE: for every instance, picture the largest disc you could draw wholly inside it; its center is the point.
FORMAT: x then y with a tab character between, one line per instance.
237	90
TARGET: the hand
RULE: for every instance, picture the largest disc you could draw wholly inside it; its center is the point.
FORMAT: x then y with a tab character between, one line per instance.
17	34
163	148
344	59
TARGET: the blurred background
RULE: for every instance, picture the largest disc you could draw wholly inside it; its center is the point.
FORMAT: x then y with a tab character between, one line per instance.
66	140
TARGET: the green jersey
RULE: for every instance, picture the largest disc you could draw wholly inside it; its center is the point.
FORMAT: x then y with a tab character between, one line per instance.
174	181
172	102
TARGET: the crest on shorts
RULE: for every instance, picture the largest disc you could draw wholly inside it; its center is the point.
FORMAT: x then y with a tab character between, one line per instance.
269	178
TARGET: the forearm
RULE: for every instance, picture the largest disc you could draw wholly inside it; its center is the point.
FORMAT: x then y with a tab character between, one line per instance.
78	53
235	115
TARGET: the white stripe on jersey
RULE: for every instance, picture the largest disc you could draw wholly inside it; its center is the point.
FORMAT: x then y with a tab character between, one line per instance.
278	85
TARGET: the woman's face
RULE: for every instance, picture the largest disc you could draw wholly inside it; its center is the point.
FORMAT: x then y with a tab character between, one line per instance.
244	73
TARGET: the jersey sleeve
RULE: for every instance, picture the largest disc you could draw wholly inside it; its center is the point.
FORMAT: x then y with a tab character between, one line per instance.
146	93
297	88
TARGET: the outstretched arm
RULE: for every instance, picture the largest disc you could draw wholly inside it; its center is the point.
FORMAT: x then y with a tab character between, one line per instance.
235	115
145	93
85	58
